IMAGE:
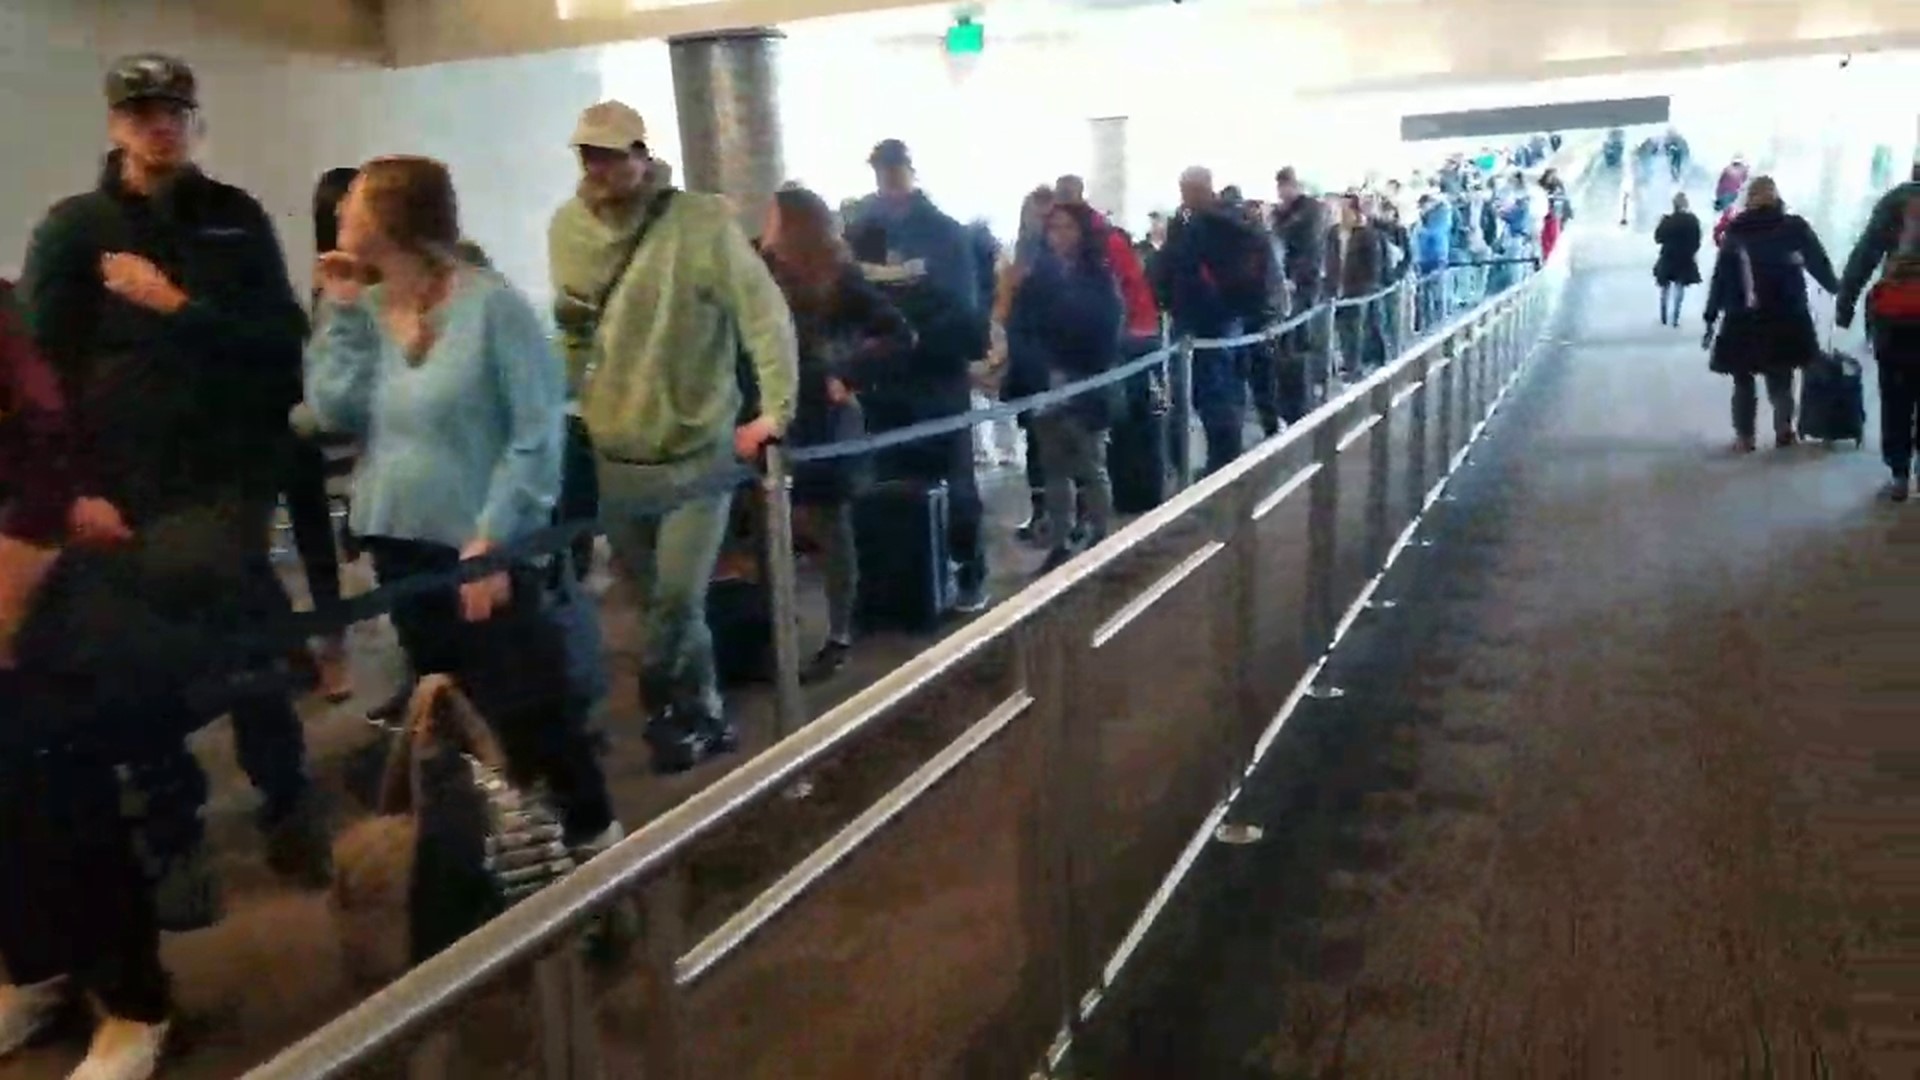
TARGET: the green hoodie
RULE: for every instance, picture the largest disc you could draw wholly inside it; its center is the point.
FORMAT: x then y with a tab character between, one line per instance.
656	370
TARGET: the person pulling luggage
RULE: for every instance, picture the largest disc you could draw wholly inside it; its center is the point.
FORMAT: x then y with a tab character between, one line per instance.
1760	284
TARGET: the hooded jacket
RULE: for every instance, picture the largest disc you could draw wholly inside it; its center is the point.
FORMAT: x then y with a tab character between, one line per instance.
179	409
664	352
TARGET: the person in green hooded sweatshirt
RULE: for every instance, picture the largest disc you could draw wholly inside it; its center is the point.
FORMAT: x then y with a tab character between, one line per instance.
659	294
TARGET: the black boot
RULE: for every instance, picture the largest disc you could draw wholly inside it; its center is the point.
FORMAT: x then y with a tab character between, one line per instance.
1035	527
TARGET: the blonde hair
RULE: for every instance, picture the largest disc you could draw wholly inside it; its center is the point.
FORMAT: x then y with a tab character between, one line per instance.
413	200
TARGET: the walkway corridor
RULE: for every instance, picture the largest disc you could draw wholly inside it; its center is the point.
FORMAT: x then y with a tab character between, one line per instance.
1627	785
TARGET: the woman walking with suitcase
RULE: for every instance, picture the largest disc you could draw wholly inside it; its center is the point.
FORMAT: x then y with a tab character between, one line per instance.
1759	283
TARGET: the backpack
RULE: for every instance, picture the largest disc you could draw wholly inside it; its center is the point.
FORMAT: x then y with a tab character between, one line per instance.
1895	298
1245	272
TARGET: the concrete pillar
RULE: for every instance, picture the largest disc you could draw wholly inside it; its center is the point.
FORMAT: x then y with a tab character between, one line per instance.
1107	177
726	90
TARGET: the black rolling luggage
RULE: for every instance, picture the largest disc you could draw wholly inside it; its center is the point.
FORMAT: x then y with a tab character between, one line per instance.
1137	451
739	600
906	573
1832	401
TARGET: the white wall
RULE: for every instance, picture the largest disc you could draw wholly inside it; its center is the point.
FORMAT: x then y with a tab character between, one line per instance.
276	120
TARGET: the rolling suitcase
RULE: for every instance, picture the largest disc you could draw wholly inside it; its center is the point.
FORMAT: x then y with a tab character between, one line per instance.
739	599
1137	446
1832	402
906	574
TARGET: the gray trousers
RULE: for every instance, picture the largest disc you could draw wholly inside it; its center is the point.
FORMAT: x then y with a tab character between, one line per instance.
1746	402
831	526
669	560
1074	456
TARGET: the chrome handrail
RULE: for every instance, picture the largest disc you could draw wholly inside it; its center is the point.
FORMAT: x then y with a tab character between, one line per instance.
533	929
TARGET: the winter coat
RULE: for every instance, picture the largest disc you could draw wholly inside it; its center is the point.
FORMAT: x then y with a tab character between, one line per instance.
1760	285
1678	235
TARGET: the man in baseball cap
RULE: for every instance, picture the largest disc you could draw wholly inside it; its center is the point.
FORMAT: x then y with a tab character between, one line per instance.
659	299
161	297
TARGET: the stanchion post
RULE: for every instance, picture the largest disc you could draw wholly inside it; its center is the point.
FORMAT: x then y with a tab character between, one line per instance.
1180	384
663	1021
1329	344
790	705
569	1039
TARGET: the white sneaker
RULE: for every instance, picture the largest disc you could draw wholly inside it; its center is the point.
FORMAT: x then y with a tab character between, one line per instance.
123	1050
26	1011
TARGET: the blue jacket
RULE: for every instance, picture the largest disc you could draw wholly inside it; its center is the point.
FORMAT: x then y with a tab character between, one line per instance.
1433	238
462	446
1065	325
929	267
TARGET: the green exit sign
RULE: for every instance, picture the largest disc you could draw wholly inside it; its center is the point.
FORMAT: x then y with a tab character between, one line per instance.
966	37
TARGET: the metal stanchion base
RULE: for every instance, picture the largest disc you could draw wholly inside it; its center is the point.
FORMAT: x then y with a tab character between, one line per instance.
1239	835
798	790
1326	693
1382	605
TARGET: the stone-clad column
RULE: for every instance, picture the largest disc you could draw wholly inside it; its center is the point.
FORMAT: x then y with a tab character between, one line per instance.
726	90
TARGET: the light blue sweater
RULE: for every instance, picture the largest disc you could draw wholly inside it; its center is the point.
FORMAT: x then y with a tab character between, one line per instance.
465	444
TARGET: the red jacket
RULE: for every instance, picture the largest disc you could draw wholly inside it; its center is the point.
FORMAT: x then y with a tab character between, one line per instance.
37	473
1549	234
1143	312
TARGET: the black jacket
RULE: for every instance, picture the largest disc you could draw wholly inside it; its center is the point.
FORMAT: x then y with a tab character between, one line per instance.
1301	226
178	409
1877	240
1361	268
1760	284
1187	278
1678	235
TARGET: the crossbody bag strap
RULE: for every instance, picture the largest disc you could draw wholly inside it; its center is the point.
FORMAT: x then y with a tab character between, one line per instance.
656	209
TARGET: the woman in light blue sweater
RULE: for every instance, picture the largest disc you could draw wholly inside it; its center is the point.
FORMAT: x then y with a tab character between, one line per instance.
443	371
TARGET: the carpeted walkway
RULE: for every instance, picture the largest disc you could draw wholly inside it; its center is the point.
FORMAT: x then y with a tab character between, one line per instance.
1628	784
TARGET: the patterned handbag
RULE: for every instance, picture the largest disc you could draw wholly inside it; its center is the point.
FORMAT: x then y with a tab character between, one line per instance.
455	842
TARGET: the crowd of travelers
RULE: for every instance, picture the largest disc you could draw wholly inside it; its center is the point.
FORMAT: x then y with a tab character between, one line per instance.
1760	326
165	388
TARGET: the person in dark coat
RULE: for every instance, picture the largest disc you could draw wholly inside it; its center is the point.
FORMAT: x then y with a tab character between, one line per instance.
1065	326
1890	245
848	332
76	915
162	299
1760	284
1678	266
1356	267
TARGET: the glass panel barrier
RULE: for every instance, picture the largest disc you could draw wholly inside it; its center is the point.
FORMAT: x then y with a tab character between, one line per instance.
729	867
1359	427
1157	708
926	952
1279	534
1400	500
988	821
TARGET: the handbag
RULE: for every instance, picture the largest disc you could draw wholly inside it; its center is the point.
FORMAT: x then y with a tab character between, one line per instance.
454	842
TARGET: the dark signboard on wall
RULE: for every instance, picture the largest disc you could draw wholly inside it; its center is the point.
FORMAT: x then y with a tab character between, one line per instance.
1526	119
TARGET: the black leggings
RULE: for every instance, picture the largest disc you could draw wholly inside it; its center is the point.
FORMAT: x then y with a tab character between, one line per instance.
304	486
73	900
513	667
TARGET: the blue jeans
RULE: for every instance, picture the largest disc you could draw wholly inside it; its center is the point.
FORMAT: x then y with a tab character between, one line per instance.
1672	295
